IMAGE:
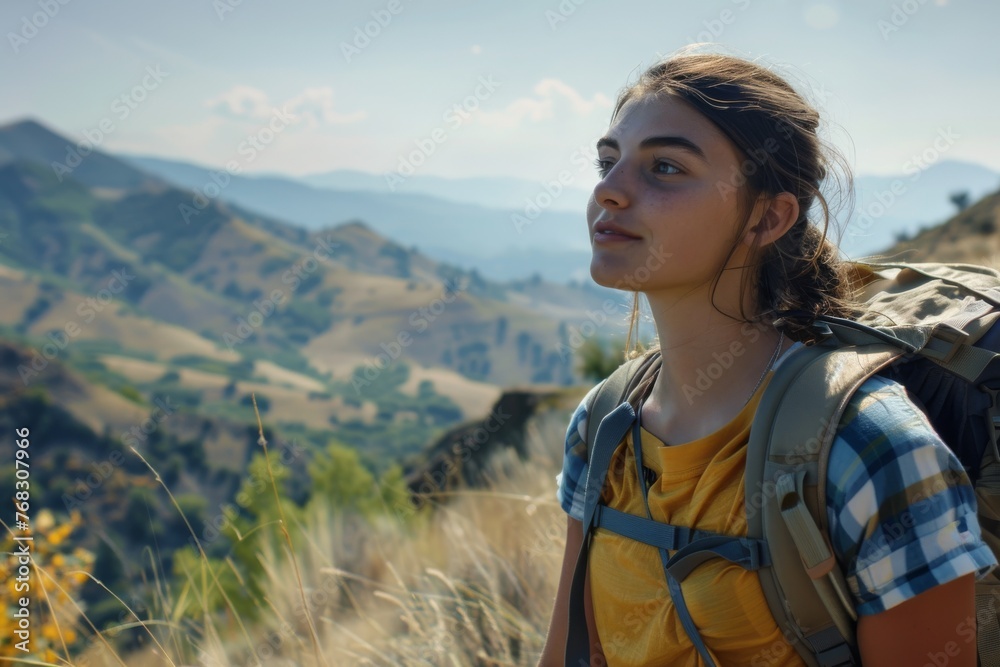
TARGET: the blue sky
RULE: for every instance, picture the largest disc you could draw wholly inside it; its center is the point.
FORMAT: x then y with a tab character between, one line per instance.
533	81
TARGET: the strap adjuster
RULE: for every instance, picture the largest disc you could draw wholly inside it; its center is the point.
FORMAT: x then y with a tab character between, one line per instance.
944	341
836	656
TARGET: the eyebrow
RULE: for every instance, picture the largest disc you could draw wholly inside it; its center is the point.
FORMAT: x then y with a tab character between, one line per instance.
659	142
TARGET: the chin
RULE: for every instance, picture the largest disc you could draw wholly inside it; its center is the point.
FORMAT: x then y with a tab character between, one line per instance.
608	275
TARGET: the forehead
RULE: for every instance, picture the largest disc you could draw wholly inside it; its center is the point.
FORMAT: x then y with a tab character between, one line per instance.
653	116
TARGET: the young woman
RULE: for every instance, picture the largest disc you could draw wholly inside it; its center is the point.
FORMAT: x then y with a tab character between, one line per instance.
710	170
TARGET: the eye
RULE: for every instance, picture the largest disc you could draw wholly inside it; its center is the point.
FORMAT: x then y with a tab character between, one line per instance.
603	166
658	164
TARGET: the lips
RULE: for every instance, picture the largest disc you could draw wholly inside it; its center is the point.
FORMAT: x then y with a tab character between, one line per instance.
609	229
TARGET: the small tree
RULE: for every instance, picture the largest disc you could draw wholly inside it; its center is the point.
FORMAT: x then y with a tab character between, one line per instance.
960	199
599	358
339	476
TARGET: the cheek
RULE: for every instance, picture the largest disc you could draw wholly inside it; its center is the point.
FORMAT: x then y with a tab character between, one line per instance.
696	227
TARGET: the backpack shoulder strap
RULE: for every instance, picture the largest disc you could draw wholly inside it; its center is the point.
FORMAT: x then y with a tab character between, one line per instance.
610	416
614	390
790	441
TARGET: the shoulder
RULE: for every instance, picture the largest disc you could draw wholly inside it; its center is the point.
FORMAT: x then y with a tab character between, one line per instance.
885	440
571	479
576	432
885	437
901	509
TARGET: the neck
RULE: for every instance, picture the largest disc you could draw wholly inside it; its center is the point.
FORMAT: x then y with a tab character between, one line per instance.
711	364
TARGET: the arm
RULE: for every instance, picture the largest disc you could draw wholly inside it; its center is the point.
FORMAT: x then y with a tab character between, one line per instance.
555	641
936	627
902	516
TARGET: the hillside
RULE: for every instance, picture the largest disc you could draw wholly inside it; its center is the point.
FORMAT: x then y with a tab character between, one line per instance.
205	271
971	236
340	333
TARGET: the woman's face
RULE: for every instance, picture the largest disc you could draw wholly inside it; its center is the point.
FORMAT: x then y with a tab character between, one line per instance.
669	184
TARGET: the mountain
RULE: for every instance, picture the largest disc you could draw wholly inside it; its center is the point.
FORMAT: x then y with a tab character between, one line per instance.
970	236
493	241
493	192
890	206
327	300
31	141
497	226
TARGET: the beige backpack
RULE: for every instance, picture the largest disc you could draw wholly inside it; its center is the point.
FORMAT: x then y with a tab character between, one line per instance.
929	327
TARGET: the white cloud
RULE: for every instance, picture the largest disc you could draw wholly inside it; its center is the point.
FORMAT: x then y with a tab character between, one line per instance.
550	94
315	105
241	102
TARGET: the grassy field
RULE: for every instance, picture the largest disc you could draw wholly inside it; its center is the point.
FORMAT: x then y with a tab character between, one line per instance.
469	581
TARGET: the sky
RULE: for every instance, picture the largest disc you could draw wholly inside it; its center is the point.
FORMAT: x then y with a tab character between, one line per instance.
455	89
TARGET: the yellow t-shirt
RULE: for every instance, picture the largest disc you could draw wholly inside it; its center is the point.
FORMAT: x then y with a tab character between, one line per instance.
698	484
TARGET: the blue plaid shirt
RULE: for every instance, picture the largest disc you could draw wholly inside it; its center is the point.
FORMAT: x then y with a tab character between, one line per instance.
886	451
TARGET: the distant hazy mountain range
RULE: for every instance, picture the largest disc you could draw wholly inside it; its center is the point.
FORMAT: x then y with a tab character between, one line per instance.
484	223
502	244
502	193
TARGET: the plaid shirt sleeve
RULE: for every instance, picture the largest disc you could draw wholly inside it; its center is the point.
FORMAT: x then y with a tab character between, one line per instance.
573	477
901	509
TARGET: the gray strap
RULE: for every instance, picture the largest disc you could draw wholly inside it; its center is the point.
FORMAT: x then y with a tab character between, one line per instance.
988	629
615	389
746	552
647	531
831	649
610	432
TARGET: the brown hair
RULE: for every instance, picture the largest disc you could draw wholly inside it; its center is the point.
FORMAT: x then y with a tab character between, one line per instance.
774	130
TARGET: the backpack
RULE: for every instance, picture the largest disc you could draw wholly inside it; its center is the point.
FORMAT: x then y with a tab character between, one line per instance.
928	326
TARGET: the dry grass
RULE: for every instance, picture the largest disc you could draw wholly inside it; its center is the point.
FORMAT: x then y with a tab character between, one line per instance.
469	583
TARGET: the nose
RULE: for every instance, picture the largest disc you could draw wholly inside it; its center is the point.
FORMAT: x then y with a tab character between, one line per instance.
609	192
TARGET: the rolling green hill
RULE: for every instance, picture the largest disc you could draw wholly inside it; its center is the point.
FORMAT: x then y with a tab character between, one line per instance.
147	287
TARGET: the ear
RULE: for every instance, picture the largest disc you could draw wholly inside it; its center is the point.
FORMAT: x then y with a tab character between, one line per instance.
780	213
